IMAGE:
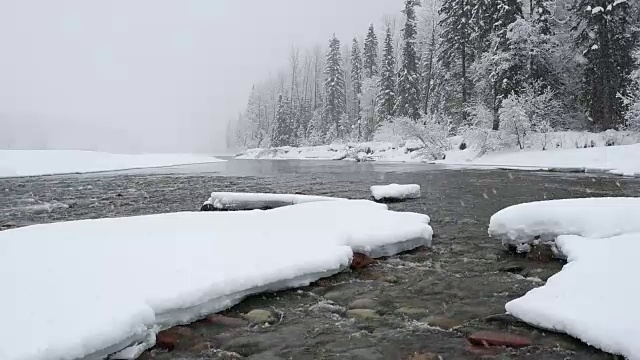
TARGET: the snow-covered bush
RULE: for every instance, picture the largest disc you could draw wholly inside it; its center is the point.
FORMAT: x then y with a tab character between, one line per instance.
432	132
478	134
532	111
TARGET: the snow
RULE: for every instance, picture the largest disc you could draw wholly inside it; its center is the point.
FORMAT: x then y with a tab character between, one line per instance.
395	192
49	162
595	296
95	287
253	201
520	225
597	9
619	160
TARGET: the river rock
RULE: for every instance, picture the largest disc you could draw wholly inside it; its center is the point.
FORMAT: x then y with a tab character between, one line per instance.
443	322
412	312
360	261
363	304
201	347
363	314
334	296
541	253
259	316
218	319
166	341
490	338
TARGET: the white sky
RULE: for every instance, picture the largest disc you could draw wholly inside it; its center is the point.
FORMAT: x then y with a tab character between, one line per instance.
151	75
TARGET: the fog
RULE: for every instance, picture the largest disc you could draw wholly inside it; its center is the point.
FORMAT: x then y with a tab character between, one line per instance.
150	75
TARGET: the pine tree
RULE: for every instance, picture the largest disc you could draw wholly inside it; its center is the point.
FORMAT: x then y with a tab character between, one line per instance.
605	34
282	129
387	96
541	16
334	87
356	83
370	65
457	53
408	104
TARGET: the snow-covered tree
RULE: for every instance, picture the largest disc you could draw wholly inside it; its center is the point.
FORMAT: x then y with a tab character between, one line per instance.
408	100
429	36
370	64
369	120
356	81
456	53
387	96
607	39
334	88
283	130
633	99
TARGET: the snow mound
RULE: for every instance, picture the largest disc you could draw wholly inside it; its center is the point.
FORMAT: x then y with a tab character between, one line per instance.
594	298
521	225
95	287
395	192
252	201
50	162
619	160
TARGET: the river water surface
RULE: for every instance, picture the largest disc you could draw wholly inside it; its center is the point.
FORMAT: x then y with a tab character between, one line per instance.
428	301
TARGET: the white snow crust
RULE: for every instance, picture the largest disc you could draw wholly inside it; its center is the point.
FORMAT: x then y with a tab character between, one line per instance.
395	192
15	163
95	287
252	201
595	296
521	225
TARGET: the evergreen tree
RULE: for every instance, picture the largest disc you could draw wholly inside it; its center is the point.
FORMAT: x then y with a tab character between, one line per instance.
605	35
457	53
387	96
408	104
356	83
541	16
335	88
370	65
282	129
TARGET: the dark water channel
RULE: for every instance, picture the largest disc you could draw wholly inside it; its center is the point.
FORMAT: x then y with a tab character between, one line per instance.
426	301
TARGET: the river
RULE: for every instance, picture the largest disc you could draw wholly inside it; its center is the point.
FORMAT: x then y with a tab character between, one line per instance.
428	300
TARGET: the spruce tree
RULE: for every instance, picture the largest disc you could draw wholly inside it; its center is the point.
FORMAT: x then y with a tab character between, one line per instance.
456	52
607	39
370	65
282	129
334	88
408	104
356	83
541	16
387	96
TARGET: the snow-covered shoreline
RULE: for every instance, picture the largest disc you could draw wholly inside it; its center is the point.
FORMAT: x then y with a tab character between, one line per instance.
577	153
94	287
19	163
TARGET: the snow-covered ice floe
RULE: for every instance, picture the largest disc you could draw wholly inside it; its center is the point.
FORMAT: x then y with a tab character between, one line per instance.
50	162
94	287
523	224
595	296
395	192
251	201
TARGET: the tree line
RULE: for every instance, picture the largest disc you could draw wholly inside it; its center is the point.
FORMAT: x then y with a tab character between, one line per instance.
516	66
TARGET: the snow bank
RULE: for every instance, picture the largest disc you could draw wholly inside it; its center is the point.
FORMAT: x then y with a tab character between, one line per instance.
94	287
395	192
522	224
620	160
50	162
252	201
594	298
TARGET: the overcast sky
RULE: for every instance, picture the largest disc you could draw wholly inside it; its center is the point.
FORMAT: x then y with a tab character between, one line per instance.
150	75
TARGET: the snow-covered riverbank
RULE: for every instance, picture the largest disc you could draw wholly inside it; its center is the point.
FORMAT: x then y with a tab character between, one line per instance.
51	162
569	150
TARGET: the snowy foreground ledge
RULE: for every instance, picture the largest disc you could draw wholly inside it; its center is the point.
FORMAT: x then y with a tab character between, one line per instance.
50	162
395	192
90	288
594	298
232	201
522	225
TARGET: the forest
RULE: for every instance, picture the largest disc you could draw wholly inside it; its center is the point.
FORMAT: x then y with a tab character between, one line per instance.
493	71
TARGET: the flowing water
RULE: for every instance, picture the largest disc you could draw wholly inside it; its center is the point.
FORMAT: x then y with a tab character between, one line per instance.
427	301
